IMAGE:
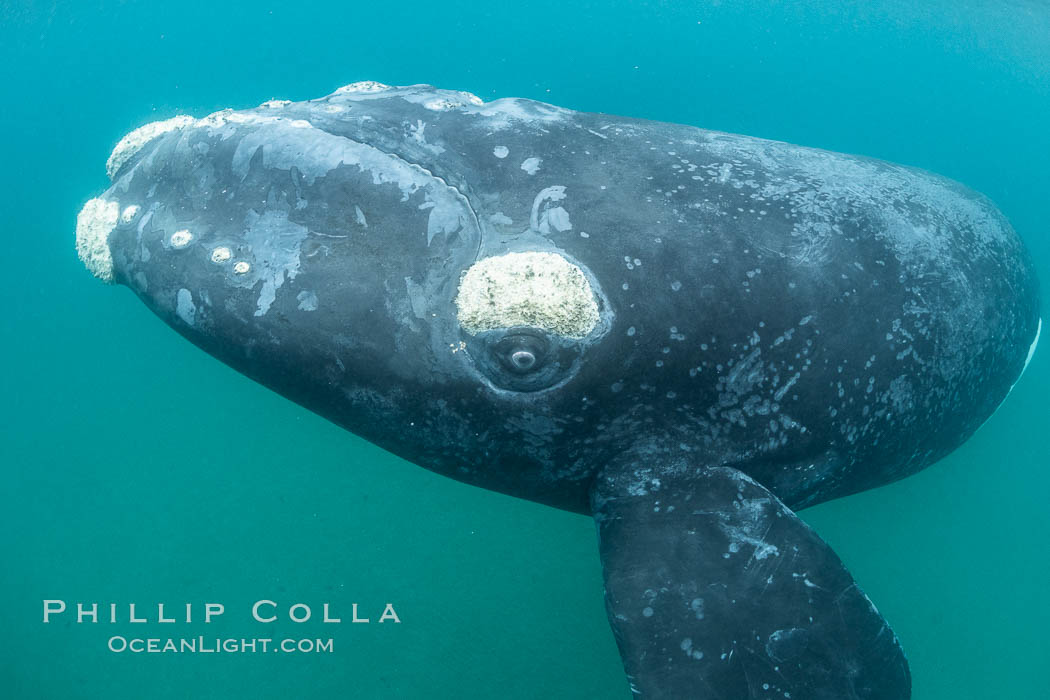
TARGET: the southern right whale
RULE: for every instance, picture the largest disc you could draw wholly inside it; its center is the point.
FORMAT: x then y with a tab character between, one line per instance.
687	334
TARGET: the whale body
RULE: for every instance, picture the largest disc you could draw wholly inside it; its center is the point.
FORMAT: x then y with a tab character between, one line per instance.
686	334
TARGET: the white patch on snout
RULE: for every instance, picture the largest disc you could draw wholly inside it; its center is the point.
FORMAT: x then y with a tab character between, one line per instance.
542	290
134	141
94	224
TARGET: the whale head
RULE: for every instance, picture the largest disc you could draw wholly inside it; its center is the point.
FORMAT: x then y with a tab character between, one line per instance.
351	281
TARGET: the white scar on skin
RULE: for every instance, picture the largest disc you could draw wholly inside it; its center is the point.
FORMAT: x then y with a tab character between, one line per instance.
94	224
542	290
531	165
134	141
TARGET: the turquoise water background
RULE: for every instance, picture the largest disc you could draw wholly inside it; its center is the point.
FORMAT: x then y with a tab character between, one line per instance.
137	469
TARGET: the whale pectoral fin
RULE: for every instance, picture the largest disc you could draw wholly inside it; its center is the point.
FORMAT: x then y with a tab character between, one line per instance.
715	589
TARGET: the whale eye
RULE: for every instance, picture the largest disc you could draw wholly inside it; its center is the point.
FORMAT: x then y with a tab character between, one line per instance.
523	360
522	352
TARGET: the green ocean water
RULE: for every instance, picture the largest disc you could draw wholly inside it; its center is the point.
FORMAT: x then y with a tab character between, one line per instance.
136	469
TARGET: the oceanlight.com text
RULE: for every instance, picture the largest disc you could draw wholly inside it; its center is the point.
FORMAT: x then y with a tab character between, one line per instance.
218	645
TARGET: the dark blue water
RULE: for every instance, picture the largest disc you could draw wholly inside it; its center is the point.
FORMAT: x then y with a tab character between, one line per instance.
137	469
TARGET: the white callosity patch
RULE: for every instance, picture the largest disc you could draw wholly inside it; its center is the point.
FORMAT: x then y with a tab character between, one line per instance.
94	224
443	104
363	86
241	268
134	141
221	255
472	99
217	120
129	213
542	290
181	238
501	151
440	100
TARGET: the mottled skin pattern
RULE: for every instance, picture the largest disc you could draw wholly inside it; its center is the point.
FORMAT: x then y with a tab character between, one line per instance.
779	326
